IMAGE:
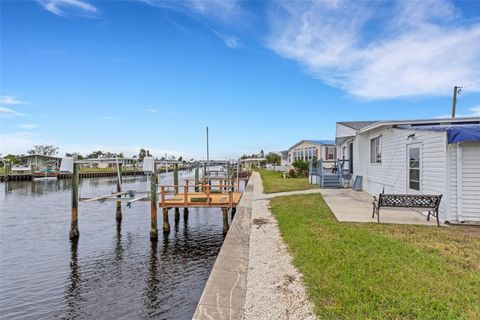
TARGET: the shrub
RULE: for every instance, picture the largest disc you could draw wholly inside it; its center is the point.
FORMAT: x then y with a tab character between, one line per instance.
301	168
292	173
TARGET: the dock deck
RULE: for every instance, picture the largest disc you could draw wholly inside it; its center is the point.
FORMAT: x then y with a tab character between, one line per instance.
202	199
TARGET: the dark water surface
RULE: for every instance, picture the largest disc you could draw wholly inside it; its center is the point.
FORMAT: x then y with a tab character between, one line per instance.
113	272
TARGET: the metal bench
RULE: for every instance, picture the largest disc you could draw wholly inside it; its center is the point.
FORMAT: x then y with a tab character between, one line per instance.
431	202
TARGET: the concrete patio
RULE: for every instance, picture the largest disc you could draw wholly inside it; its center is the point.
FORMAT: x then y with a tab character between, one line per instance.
356	206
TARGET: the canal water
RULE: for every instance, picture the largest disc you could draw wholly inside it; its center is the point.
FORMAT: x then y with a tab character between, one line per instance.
114	271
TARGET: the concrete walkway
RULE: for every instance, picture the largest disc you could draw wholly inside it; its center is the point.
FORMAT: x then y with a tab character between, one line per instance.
274	287
224	293
260	196
356	206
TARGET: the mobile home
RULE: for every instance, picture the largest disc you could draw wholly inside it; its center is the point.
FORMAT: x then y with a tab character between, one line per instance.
434	156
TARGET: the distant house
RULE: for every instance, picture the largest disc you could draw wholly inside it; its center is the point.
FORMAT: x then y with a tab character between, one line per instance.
433	156
250	163
284	158
312	149
40	161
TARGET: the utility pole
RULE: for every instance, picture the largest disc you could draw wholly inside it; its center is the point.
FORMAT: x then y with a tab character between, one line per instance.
208	155
456	90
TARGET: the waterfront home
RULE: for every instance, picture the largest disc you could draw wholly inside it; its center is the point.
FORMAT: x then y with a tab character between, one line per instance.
40	161
250	163
433	156
307	150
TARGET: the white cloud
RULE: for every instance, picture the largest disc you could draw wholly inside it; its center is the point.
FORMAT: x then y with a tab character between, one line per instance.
106	118
10	100
473	112
152	110
230	40
28	126
220	9
66	7
18	142
9	113
417	48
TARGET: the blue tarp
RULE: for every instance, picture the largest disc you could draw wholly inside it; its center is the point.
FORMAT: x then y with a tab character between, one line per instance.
455	133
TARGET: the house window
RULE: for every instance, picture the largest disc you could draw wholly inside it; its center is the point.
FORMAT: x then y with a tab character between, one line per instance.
376	150
330	153
309	152
414	168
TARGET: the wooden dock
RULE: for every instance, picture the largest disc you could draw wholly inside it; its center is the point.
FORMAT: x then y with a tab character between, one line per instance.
209	192
224	194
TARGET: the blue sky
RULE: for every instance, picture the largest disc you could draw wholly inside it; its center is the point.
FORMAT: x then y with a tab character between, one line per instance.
121	75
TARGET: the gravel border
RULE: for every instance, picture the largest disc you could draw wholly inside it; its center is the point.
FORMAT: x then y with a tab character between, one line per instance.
274	287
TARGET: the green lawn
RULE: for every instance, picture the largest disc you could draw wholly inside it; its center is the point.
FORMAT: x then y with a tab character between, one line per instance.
274	182
370	271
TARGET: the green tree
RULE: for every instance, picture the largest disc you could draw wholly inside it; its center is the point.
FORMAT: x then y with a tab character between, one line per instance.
10	158
79	156
44	150
95	154
273	158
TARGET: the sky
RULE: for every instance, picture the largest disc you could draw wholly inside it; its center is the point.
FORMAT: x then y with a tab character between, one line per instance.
123	75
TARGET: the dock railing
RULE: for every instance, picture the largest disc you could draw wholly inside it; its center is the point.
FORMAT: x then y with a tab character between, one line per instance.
209	192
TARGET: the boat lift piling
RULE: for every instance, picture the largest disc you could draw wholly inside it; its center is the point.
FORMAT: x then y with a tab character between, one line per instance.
74	232
224	193
153	208
118	211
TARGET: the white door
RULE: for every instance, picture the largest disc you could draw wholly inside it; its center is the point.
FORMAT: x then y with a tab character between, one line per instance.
470	204
414	168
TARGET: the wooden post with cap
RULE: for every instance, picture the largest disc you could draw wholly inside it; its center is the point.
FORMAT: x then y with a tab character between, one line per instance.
118	211
74	232
153	208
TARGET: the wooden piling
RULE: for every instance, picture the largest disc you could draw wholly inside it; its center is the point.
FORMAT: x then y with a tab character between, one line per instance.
175	177
225	220
32	171
196	176
118	212
74	232
153	208
166	224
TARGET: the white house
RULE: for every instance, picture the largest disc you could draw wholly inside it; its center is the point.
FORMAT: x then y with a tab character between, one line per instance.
312	149
435	156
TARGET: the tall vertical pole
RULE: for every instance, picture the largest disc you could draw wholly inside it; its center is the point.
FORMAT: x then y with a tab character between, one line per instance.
225	220
454	102
118	212
175	177
153	208
196	176
74	233
208	156
32	172
238	175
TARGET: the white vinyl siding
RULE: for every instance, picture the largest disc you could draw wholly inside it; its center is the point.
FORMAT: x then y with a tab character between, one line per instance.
391	174
344	131
464	182
471	180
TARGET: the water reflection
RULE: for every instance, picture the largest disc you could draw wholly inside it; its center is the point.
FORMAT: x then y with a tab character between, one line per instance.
73	294
153	282
113	269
